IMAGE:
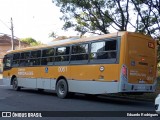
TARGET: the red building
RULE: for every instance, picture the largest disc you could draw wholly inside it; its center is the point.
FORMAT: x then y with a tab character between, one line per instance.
5	45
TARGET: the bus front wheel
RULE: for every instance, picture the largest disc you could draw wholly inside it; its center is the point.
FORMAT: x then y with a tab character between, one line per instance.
62	88
15	84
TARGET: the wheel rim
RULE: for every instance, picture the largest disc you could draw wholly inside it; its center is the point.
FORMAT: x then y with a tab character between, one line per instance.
15	84
61	89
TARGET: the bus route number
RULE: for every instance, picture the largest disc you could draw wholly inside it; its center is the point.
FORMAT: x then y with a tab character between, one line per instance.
62	69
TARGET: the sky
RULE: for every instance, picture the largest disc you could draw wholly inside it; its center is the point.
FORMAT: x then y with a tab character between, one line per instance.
32	18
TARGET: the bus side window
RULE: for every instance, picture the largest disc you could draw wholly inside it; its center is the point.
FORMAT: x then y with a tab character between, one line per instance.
7	62
24	59
79	53
62	55
48	52
15	61
47	56
22	63
35	54
26	55
43	61
47	61
105	51
34	58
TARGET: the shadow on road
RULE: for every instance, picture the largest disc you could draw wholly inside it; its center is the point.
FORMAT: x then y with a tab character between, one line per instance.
82	97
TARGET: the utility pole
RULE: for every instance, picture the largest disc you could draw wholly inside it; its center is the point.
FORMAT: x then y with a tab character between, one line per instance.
12	33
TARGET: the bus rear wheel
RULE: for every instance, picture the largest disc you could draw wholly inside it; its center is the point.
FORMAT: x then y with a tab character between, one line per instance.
62	88
15	84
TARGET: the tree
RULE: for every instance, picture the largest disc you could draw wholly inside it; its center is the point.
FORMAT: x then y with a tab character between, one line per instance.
148	16
31	41
94	16
53	35
99	16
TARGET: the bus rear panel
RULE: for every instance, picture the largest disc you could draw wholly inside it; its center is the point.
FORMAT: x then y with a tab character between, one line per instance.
138	73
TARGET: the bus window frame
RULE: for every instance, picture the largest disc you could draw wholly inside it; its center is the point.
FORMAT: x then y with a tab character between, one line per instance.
75	62
46	57
47	63
4	62
14	60
107	61
47	49
35	58
56	56
71	62
26	64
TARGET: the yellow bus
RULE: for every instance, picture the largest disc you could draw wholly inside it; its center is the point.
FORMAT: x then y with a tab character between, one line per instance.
122	62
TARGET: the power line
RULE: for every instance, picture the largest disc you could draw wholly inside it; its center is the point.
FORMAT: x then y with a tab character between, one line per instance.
12	33
5	24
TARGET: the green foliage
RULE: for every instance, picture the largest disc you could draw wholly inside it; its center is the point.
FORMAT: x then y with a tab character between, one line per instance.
31	41
148	16
94	16
53	34
99	16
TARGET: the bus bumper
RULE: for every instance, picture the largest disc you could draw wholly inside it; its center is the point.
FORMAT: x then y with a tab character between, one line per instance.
128	87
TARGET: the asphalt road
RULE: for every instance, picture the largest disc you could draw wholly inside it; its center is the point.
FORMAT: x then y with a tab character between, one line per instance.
1	82
32	100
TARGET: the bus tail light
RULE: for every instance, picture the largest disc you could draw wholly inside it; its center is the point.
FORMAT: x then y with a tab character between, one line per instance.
142	59
124	71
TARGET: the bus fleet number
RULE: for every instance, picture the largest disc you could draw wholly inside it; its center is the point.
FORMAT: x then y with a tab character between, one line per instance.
62	69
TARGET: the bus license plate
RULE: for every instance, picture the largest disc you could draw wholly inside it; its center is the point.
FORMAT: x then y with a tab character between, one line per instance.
141	87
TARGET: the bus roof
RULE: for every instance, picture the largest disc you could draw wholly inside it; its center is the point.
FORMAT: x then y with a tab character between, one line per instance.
80	40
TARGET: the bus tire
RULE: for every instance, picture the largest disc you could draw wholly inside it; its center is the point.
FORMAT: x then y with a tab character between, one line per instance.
15	84
62	88
40	90
91	96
